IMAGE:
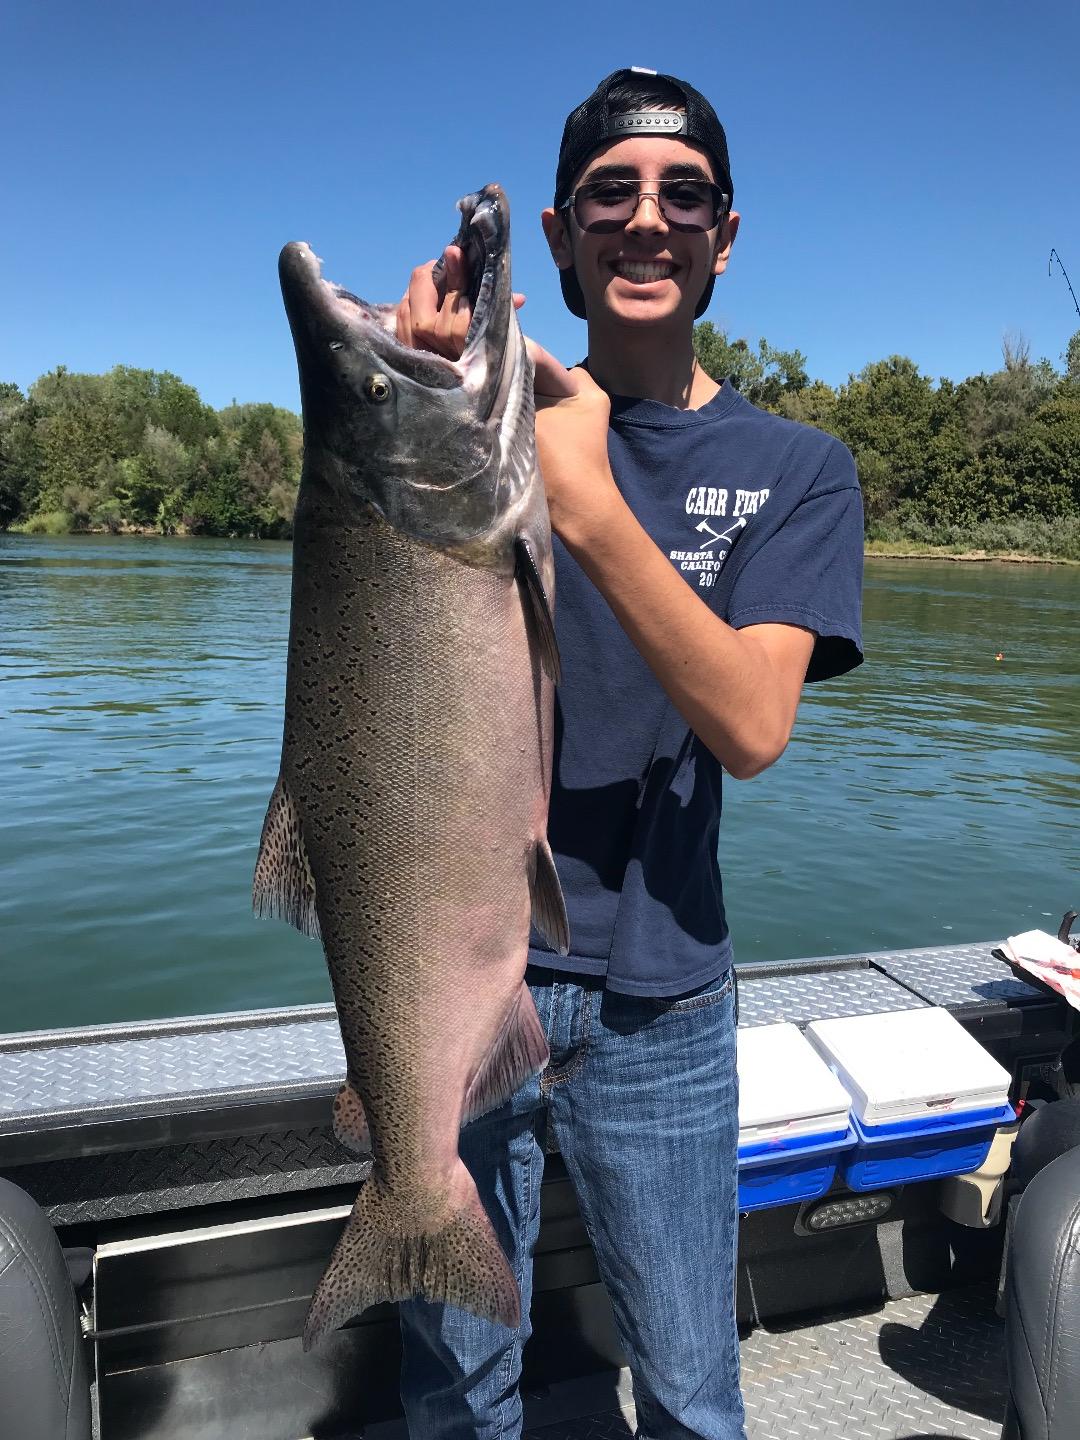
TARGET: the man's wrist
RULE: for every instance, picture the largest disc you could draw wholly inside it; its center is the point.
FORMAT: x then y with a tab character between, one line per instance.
597	506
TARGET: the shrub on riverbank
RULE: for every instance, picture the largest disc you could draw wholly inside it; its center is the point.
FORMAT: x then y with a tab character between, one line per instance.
46	522
1057	539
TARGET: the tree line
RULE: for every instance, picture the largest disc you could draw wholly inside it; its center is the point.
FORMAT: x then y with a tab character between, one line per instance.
991	462
137	450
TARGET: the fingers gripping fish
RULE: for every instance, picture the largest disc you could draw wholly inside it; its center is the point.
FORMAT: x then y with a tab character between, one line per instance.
408	824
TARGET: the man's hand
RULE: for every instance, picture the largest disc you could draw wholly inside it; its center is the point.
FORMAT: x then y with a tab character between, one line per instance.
434	313
572	415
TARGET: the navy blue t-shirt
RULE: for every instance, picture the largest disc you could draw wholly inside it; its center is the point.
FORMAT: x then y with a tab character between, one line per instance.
763	517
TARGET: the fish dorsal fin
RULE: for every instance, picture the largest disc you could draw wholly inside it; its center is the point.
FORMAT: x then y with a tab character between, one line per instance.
284	887
548	905
539	607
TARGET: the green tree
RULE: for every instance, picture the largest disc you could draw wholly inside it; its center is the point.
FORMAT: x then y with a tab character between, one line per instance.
763	374
160	399
885	415
1042	460
13	468
1072	360
76	430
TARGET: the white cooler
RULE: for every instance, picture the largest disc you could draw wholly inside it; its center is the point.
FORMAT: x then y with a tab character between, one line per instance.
794	1118
927	1099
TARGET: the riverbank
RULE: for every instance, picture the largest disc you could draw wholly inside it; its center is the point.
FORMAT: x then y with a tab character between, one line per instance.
874	549
1017	540
915	550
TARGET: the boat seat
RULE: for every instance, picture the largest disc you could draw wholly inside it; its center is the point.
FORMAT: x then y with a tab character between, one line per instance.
44	1385
1042	1317
1048	1133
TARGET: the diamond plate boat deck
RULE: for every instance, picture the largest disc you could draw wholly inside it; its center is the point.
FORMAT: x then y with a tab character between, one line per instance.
106	1087
194	1159
919	1367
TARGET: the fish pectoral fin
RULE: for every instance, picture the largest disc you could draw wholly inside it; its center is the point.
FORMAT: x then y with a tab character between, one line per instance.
461	1263
548	905
519	1052
350	1122
284	887
538	608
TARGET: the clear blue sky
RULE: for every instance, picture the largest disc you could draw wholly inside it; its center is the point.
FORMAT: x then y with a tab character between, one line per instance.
902	170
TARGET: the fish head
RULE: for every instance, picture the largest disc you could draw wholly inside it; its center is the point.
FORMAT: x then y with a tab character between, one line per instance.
442	449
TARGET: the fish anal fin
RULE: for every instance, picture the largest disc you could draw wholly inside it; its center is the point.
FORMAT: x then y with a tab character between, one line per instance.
284	887
461	1263
539	608
349	1120
548	905
520	1051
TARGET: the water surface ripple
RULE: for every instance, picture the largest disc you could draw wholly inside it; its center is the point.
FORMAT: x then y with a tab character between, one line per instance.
929	797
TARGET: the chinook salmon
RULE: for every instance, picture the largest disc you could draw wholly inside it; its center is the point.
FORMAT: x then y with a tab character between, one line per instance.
407	827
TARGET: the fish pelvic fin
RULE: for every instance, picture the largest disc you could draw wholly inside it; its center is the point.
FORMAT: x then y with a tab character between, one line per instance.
350	1122
284	886
519	1052
538	608
548	905
374	1261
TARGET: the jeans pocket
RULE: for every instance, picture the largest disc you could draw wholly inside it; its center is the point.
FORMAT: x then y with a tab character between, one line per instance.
711	993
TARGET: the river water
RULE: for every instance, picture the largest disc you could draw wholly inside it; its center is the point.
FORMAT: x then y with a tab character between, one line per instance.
928	798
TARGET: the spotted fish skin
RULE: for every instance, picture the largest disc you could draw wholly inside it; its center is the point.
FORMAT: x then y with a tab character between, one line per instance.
408	824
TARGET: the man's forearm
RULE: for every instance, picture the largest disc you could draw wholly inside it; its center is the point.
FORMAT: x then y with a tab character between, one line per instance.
723	682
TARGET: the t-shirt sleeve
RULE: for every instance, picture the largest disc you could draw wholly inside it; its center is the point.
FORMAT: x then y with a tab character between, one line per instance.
809	573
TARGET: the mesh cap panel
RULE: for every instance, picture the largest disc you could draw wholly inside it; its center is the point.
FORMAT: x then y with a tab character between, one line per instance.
592	124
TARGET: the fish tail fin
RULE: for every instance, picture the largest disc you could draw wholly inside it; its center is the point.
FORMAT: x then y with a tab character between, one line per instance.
462	1264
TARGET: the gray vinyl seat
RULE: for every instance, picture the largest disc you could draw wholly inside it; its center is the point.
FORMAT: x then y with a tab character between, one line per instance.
44	1386
1042	1317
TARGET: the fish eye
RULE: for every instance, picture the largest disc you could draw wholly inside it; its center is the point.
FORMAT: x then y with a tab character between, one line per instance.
377	389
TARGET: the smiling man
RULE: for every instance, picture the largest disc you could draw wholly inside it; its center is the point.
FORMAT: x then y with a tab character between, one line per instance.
708	563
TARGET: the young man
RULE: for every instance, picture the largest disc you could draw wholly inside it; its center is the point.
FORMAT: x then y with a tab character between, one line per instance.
709	560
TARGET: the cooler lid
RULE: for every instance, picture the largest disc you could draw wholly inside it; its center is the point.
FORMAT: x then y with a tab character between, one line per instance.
906	1062
782	1078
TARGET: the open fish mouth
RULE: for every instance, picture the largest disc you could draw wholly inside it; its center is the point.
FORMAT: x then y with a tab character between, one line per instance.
329	315
483	241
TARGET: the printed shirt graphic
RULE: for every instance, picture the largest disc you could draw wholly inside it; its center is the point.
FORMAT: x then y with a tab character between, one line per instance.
707	560
763	518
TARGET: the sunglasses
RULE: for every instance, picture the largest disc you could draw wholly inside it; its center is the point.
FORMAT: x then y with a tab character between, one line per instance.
603	206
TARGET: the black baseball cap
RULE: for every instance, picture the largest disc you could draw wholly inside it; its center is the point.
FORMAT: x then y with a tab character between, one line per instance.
593	124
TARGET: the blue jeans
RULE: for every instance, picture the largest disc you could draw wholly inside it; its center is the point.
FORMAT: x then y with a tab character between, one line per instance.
642	1094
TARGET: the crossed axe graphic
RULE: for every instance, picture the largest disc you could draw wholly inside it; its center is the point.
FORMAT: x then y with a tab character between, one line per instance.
719	534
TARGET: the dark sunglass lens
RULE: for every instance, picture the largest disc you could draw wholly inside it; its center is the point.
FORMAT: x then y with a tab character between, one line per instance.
605	205
688	204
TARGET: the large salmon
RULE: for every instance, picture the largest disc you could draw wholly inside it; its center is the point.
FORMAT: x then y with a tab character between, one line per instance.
408	824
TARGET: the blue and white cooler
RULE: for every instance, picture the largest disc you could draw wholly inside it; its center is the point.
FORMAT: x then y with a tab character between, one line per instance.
926	1098
794	1118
